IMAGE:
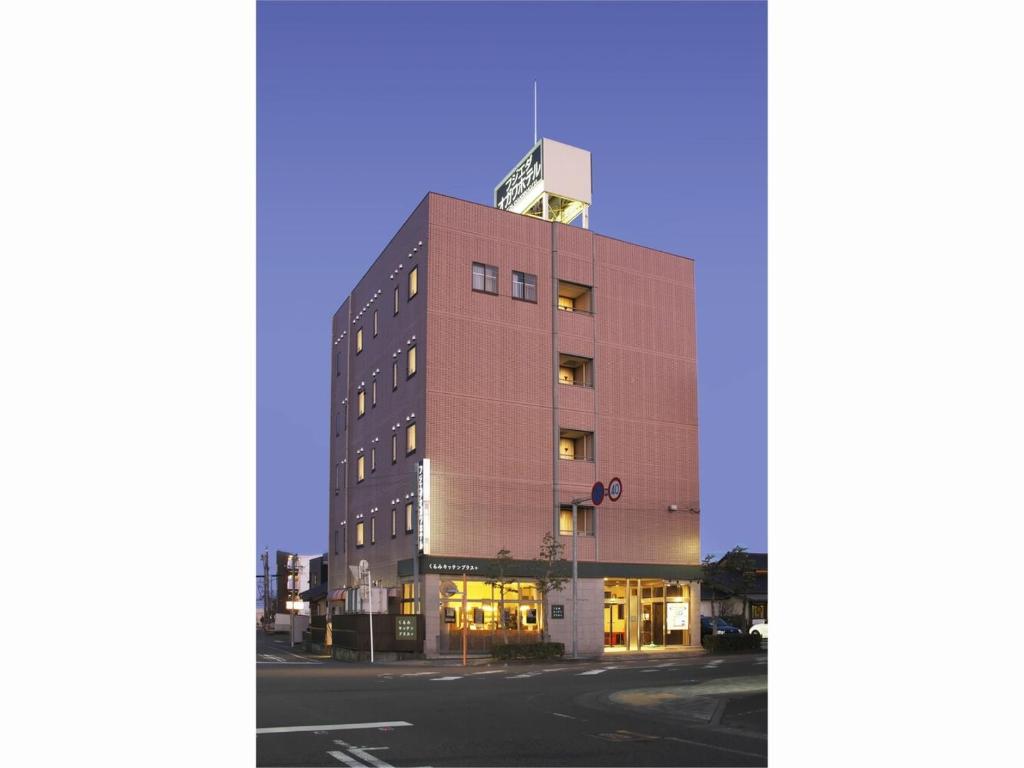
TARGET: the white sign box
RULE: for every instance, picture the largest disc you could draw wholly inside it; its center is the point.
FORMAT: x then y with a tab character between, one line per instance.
677	616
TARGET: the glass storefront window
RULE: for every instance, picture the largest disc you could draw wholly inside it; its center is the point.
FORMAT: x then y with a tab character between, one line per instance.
521	622
644	614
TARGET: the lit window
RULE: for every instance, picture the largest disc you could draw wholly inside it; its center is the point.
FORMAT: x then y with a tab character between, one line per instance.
360	468
414	285
410	439
394	376
361	399
394	522
584	521
573	297
359	341
360	533
396	299
376	321
574	445
373	530
574	370
373	459
373	394
485	278
408	517
410	362
524	286
394	447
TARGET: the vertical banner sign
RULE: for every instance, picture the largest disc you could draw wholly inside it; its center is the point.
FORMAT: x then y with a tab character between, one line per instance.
520	180
423	505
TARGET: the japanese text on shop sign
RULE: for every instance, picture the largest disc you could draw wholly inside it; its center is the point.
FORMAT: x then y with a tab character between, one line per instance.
522	177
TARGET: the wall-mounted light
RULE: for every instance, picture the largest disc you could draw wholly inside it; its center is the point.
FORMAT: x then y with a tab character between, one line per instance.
673	507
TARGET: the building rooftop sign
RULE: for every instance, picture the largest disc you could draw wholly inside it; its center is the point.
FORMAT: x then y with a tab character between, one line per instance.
551	182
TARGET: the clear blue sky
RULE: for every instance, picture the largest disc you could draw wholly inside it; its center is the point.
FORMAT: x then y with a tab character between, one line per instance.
362	108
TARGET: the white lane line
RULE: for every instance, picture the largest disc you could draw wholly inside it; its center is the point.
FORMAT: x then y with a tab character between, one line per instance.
417	674
362	754
593	672
350	762
650	670
272	657
456	677
712	664
527	674
490	672
336	727
559	714
667	664
556	669
714	746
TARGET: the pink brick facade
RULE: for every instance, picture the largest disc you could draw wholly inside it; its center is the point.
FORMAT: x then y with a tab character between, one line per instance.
488	406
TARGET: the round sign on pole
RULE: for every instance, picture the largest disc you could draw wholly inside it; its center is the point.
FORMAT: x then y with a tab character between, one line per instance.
597	493
614	489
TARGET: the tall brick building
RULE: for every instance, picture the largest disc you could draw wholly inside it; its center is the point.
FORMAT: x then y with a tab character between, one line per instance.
488	369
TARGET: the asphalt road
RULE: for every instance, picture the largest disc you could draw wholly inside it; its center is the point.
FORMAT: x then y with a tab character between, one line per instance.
703	711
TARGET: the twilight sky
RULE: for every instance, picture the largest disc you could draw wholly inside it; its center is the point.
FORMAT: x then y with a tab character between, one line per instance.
362	108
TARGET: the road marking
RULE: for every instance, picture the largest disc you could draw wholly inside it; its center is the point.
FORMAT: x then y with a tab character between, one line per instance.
336	727
712	664
556	669
559	714
456	677
341	756
651	670
490	672
667	664
593	672
527	674
417	674
362	754
714	746
273	657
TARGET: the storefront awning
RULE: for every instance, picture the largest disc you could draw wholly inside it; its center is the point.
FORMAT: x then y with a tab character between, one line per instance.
337	596
312	595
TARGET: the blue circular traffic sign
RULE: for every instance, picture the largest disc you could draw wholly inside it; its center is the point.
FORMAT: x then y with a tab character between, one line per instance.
597	493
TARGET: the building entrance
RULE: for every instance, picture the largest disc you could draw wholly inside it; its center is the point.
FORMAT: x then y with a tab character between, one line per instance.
645	614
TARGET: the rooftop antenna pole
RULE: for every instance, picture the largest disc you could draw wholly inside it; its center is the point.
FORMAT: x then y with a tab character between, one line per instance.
534	111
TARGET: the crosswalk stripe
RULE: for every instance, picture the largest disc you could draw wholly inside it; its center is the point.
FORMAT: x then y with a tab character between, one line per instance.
342	757
593	672
456	677
336	727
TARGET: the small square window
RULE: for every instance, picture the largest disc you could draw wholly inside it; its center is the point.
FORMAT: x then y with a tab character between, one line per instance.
584	521
485	278
414	284
524	286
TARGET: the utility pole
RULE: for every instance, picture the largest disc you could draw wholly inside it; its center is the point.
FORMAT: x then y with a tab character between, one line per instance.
266	589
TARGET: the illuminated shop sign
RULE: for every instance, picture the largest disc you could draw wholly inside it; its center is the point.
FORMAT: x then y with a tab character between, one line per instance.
423	505
520	180
677	616
452	567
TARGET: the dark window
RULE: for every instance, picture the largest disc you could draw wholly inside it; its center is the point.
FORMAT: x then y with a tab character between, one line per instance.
373	459
394	522
396	299
373	530
337	365
376	321
524	287
373	394
394	376
394	447
485	278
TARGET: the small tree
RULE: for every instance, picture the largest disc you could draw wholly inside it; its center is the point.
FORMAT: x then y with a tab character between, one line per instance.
500	576
731	575
551	566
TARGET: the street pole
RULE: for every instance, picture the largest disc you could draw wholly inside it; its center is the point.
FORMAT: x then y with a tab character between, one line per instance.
369	591
465	619
574	507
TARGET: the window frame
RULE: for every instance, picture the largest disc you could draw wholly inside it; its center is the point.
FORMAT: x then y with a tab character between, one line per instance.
361	403
359	340
410	359
373	394
373	459
394	522
584	516
486	268
409	519
376	322
373	530
394	375
361	467
360	534
412	286
398	299
394	447
412	427
525	284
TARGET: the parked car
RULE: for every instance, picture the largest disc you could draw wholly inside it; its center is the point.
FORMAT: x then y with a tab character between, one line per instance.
760	629
722	627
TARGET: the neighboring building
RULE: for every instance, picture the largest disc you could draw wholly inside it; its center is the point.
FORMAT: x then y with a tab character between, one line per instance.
489	368
292	577
747	601
315	595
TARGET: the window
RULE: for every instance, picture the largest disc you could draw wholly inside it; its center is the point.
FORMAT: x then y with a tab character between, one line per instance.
361	399
394	522
394	376
373	394
410	439
337	423
414	283
485	278
574	445
337	478
573	297
373	459
394	447
376	322
584	521
359	341
574	370
410	362
360	533
408	517
373	530
336	541
337	365
360	468
396	299
524	286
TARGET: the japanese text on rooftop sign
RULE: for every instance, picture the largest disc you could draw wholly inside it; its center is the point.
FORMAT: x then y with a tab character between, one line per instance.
529	171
